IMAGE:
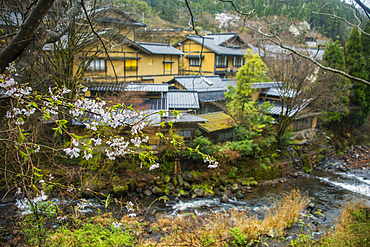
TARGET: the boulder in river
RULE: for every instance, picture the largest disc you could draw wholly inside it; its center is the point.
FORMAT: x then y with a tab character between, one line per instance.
180	180
239	195
224	198
148	193
199	192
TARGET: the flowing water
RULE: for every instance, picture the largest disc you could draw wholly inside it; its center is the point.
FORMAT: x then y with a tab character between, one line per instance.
330	191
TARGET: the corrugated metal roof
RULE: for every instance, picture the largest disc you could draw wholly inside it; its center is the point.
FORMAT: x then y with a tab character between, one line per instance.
203	83
134	87
217	121
281	92
182	100
276	109
212	96
262	85
155	104
157	48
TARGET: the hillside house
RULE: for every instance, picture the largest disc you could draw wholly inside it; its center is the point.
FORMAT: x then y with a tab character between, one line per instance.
215	54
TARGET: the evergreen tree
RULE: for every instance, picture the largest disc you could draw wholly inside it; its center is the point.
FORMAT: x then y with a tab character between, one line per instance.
334	57
357	67
365	38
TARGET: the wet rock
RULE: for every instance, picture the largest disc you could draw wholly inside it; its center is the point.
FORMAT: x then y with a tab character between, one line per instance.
157	191
142	185
139	190
249	191
208	194
180	180
187	185
148	193
239	195
175	182
235	187
193	196
224	198
217	192
166	179
228	187
199	192
187	176
222	188
171	187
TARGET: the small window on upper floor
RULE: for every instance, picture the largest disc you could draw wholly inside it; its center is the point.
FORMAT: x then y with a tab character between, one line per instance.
238	61
194	62
97	65
131	64
167	66
221	61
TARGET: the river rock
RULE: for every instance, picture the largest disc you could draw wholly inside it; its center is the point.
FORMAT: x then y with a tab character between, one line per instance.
208	194
139	190
166	179
148	192
193	196
142	185
199	192
187	185
180	180
239	195
222	188
171	187
120	191
187	176
228	187
175	182
224	198
157	191
235	187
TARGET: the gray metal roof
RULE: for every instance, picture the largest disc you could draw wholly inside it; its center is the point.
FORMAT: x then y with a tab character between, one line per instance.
212	96
281	92
212	43
182	100
157	48
220	38
203	83
276	109
134	87
263	85
187	118
155	104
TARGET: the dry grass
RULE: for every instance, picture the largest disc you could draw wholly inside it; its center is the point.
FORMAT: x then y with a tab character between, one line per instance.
214	228
353	229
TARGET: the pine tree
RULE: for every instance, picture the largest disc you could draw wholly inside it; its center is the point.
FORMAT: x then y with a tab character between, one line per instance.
365	38
356	66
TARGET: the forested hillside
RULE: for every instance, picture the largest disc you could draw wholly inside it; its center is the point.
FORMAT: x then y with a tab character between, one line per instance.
312	11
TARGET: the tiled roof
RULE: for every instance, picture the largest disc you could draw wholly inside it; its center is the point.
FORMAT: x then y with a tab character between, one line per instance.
157	48
134	87
182	100
276	109
212	44
155	104
221	38
217	121
203	83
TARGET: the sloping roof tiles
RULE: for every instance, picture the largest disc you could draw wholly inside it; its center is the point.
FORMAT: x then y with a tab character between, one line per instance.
157	48
203	83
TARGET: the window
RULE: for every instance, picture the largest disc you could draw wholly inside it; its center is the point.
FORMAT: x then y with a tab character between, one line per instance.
221	62
222	136
167	66
238	61
97	65
184	133
131	64
194	62
150	61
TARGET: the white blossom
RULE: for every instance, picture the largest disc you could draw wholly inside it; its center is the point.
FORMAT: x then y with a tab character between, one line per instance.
154	166
72	152
117	225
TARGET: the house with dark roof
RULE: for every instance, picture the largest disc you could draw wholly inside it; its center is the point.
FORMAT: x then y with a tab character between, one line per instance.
215	54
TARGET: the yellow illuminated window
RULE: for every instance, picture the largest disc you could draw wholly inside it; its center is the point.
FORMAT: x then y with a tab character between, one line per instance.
150	62
131	64
167	66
